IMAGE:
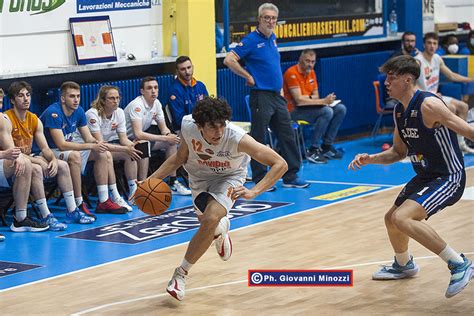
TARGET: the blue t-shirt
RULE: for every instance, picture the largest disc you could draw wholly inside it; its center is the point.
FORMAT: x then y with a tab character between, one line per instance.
262	60
183	98
54	117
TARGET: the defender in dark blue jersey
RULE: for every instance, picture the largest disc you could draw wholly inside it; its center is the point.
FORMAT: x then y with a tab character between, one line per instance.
426	133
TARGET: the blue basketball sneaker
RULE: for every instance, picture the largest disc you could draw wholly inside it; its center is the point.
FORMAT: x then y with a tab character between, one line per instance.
396	271
461	275
53	223
78	217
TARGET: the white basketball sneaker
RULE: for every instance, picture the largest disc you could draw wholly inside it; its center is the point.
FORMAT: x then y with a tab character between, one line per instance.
177	284
122	203
223	241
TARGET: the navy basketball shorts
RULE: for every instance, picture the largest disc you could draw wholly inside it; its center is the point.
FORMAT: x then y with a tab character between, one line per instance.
434	194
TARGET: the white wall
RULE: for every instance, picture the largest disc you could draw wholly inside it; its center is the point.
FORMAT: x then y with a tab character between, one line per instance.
454	11
35	42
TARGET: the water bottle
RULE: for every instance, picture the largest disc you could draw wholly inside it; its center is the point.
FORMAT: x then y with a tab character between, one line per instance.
393	23
154	50
122	52
174	45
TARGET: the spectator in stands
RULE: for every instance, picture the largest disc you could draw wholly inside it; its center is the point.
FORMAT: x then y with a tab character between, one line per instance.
431	66
268	106
140	113
325	114
26	129
15	173
70	140
408	48
106	121
185	91
469	49
449	45
408	45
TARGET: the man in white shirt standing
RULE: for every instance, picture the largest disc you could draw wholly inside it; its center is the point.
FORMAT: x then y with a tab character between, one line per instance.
140	113
431	66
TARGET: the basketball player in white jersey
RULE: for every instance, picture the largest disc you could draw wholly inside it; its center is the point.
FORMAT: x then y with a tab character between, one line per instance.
215	153
431	66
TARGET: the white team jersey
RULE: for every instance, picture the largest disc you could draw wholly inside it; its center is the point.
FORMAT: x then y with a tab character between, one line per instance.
138	109
107	127
207	161
429	75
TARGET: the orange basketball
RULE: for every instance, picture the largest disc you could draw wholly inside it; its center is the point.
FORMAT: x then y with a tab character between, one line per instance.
153	196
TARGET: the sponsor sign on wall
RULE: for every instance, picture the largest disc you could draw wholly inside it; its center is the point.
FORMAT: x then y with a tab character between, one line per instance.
86	6
293	30
42	16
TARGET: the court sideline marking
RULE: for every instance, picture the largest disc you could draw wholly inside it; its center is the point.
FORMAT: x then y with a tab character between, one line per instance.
93	309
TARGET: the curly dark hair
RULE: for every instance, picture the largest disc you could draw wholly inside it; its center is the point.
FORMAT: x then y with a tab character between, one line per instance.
212	110
16	87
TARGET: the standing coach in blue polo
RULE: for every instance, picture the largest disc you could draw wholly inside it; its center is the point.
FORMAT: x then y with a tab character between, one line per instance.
185	91
268	106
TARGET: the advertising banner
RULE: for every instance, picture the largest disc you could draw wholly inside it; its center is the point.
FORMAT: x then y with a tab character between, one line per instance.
42	16
295	30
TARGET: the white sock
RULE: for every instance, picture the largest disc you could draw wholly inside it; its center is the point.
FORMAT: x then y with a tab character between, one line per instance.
78	201
448	254
69	200
132	186
20	215
113	191
186	266
402	258
103	193
43	207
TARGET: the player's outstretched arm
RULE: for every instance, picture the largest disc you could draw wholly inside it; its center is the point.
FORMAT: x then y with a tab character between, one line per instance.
173	162
395	153
265	156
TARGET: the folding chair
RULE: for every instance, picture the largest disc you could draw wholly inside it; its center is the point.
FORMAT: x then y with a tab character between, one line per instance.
380	106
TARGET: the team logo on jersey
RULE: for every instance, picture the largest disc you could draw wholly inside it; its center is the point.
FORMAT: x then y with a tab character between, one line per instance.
114	126
414	113
427	71
260	45
209	151
173	97
138	110
54	115
399	115
92	121
203	156
225	154
241	44
417	159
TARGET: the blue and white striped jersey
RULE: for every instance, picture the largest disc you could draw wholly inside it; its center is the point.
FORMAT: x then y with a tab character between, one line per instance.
433	152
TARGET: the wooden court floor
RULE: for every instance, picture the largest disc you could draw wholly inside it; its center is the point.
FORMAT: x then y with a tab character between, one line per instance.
349	235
